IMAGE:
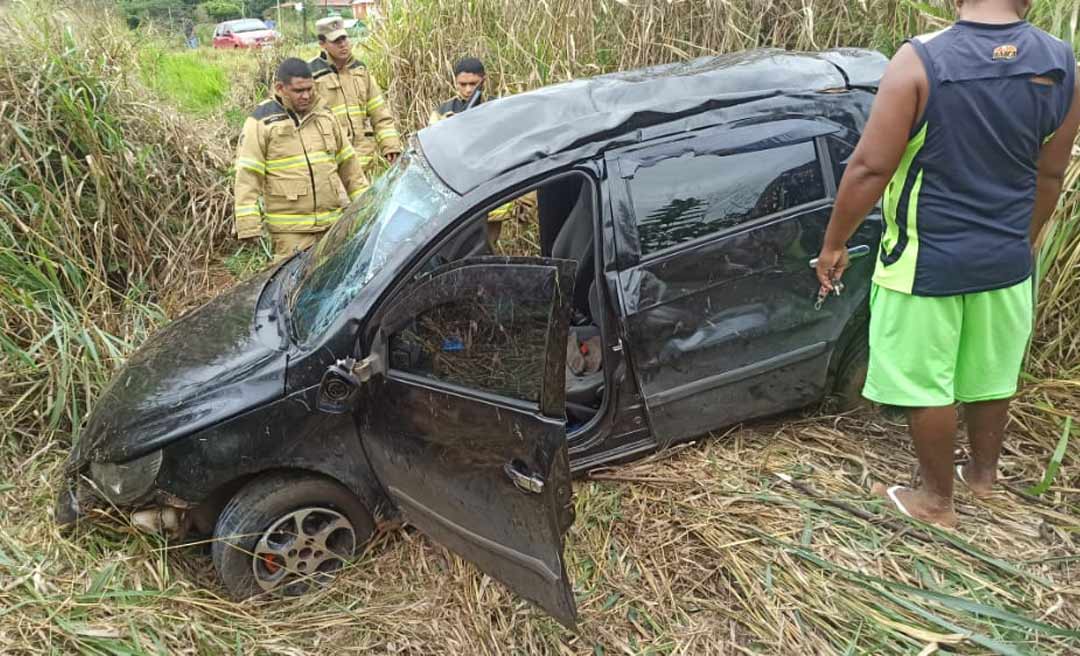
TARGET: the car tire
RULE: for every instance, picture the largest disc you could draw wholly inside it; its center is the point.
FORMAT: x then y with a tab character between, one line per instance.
852	364
285	533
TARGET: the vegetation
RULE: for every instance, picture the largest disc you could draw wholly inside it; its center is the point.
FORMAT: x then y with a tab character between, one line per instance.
115	207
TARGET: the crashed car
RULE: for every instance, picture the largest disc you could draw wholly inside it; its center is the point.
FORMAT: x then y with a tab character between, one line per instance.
400	370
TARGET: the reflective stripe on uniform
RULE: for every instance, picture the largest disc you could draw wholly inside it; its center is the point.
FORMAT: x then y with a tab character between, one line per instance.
345	154
296	219
356	193
375	103
298	161
388	133
252	165
247	210
351	110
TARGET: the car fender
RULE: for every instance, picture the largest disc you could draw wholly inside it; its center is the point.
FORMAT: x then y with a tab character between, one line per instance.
288	434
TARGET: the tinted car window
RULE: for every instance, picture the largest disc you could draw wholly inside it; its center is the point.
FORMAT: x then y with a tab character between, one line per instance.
839	152
494	344
687	197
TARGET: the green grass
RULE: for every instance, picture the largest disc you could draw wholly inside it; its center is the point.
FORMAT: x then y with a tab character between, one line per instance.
186	79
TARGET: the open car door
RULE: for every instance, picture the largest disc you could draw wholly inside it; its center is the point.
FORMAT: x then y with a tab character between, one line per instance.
467	431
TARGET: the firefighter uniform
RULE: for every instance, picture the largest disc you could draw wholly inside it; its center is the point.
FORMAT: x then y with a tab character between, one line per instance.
291	171
357	102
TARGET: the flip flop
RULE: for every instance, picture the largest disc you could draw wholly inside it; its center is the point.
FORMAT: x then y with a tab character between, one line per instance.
891	493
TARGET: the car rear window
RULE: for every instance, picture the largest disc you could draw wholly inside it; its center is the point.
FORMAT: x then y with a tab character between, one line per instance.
697	194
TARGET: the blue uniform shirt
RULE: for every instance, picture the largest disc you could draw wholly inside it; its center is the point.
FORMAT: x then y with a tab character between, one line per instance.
958	209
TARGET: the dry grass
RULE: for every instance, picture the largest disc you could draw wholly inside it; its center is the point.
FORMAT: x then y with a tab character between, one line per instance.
115	206
703	549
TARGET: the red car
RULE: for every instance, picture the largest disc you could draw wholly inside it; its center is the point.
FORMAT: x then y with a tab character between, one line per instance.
244	33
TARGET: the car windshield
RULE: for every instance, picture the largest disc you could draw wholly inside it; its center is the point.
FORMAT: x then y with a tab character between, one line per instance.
251	25
381	228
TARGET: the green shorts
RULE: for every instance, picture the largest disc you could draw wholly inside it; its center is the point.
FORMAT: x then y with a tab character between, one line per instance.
931	351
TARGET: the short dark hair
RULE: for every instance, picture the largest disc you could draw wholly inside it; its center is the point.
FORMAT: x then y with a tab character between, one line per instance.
469	65
290	68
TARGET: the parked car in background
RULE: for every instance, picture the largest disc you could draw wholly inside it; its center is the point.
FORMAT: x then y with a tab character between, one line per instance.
244	33
399	369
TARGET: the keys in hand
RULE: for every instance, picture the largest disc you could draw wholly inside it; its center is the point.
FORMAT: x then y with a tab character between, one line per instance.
838	287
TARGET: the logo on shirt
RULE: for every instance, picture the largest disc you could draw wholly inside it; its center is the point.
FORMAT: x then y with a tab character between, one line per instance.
1005	52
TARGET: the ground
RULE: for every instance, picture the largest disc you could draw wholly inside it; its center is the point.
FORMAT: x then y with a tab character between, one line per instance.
704	548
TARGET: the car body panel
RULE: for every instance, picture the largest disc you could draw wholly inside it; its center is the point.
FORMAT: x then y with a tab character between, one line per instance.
448	456
224	37
722	327
222	359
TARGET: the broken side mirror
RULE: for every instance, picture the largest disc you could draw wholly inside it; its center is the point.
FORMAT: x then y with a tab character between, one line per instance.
341	383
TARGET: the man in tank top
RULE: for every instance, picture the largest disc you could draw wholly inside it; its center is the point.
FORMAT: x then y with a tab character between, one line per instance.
966	146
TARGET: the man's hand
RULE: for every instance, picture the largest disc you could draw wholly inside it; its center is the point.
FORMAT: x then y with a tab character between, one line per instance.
831	264
392	157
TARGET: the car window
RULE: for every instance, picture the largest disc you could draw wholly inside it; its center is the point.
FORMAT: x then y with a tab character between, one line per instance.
249	25
495	344
682	198
839	152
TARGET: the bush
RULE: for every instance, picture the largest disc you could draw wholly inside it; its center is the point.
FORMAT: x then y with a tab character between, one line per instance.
222	10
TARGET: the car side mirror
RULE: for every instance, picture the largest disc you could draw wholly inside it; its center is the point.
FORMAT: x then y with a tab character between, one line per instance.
341	383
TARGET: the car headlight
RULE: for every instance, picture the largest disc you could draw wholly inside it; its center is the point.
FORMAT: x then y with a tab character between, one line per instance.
124	482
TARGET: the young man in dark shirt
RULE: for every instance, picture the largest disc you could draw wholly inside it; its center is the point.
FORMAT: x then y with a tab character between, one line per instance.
968	140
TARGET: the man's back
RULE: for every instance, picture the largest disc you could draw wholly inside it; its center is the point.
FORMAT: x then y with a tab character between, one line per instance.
959	208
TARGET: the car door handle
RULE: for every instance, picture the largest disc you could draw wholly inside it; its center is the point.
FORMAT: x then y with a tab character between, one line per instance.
852	253
519	474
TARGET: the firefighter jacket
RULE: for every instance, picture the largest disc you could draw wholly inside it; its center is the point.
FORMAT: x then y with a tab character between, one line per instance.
291	169
357	101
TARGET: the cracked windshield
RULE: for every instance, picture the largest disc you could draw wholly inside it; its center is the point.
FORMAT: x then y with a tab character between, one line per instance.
384	225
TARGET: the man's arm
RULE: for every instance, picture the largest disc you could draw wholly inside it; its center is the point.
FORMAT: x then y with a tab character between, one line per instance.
250	179
1053	162
350	170
875	159
382	121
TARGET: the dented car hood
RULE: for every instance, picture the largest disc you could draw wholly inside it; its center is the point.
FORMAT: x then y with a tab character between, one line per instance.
219	360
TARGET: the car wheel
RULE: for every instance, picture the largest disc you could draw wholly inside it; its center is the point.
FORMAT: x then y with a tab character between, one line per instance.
849	375
285	534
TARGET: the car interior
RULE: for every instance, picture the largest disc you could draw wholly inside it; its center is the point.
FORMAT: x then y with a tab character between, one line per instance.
557	221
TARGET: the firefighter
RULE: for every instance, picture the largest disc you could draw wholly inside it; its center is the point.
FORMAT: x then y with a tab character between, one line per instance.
469	76
292	165
353	95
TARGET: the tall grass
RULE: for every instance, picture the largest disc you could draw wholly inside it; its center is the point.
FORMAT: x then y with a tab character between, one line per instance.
114	211
530	44
110	203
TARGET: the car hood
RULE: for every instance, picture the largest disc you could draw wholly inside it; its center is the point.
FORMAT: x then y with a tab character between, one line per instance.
215	362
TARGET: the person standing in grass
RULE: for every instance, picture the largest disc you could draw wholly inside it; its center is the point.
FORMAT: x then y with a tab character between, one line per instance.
469	78
292	162
353	95
969	139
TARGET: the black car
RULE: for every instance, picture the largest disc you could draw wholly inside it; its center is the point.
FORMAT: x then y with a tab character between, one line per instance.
398	368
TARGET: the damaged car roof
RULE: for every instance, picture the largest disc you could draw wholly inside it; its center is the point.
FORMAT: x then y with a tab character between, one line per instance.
475	146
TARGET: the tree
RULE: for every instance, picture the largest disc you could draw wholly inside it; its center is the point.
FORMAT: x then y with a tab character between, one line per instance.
221	10
136	12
